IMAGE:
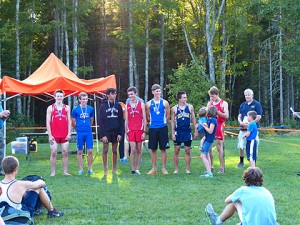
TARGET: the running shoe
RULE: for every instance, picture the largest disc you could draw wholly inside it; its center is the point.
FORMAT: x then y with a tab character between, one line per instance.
240	165
90	172
137	172
165	171
54	213
211	214
80	172
207	175
152	171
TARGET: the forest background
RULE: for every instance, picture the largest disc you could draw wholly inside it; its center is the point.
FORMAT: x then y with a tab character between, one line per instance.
181	44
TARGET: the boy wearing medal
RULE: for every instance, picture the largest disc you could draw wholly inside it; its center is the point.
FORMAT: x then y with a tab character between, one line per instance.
111	127
82	120
135	128
158	114
58	122
182	115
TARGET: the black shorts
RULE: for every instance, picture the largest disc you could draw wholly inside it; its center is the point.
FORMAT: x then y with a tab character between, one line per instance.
112	136
186	143
158	136
29	202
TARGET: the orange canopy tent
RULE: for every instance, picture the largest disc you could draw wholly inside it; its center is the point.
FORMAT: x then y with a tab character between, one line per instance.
53	74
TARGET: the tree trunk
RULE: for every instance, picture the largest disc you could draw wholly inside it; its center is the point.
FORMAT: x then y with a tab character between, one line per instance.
271	83
19	104
135	70
147	59
161	55
131	43
280	73
223	55
0	60
75	41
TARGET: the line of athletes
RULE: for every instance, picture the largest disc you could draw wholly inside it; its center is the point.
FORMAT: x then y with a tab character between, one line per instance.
156	114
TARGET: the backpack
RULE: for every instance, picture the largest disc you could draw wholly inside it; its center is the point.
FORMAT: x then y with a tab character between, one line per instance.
11	215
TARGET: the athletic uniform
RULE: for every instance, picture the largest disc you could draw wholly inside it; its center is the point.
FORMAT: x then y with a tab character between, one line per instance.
59	124
135	122
183	131
83	126
209	138
221	120
111	121
251	146
28	202
158	129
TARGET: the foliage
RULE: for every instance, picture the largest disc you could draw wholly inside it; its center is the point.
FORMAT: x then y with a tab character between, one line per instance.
160	199
189	78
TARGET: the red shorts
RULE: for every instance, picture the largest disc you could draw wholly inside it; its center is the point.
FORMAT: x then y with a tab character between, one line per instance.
60	140
220	131
135	136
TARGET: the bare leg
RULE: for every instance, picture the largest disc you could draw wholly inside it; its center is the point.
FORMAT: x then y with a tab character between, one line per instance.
241	152
211	157
133	147
80	160
65	156
104	157
187	158
90	158
126	149
114	156
252	163
46	202
176	157
53	155
228	212
206	161
219	144
153	158
138	154
164	158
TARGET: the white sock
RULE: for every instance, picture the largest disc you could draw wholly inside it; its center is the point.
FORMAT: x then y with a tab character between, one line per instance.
219	222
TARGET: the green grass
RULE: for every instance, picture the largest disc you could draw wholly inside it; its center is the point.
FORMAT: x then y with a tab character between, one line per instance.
160	199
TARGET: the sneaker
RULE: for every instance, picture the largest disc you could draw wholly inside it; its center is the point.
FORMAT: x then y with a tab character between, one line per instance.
125	160
212	169
152	171
240	165
80	172
176	172
221	171
298	173
164	171
54	213
90	172
132	172
188	172
207	175
211	214
137	172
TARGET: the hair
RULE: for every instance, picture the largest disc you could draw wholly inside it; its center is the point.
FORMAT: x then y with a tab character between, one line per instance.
110	91
253	176
155	87
212	111
132	88
213	91
82	94
179	94
253	114
248	90
59	91
202	112
9	164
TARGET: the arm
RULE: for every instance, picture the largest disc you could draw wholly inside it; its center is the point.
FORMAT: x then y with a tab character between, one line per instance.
48	119
121	122
173	113
209	129
247	134
69	122
126	121
32	185
225	114
228	199
194	121
73	123
167	108
144	121
147	107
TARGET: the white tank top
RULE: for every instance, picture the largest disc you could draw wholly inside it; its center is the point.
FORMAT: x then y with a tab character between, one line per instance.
4	196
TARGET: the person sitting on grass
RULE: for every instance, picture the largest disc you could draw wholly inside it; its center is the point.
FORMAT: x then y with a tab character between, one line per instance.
253	203
23	195
250	135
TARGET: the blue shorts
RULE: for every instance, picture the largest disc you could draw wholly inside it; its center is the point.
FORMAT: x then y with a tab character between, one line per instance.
186	143
251	149
206	147
29	202
84	138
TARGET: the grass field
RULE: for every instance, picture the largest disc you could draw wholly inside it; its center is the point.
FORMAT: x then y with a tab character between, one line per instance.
166	199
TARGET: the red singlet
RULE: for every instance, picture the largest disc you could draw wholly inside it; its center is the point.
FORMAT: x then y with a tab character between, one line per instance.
59	122
221	120
135	116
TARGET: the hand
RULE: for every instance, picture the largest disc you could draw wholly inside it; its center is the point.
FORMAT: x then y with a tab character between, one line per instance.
6	113
119	138
51	139
173	137
68	138
104	139
143	136
196	134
